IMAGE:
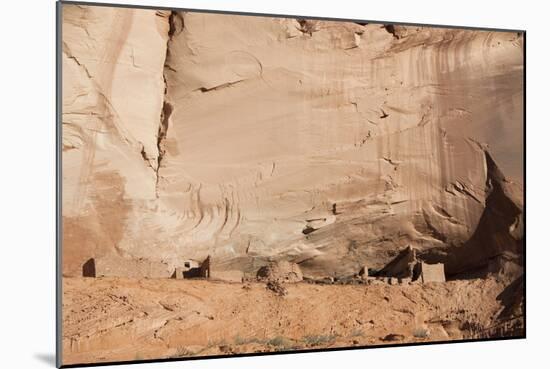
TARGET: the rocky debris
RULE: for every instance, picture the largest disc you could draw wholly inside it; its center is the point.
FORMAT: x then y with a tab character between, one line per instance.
393	337
276	287
392	281
280	271
225	349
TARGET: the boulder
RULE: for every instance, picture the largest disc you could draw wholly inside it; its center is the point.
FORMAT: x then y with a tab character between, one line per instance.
281	271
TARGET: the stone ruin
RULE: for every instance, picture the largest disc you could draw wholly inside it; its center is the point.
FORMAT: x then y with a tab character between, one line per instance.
402	266
406	267
364	271
193	269
206	269
430	272
117	266
280	271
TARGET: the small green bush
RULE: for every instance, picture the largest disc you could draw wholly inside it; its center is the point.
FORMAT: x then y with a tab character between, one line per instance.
421	333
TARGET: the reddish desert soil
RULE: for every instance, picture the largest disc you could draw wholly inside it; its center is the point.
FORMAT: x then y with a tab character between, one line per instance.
114	319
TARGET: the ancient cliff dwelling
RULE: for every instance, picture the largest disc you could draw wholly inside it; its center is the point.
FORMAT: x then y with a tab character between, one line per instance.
239	184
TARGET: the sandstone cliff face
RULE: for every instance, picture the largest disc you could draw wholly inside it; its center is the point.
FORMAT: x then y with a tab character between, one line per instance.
328	144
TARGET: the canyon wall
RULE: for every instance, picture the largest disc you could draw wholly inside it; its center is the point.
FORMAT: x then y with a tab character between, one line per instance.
330	144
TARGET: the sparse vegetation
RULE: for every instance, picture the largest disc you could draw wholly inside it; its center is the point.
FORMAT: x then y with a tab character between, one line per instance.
277	341
246	340
183	351
421	333
317	340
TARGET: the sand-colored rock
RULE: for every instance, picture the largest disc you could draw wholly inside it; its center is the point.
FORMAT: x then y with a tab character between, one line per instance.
112	99
328	144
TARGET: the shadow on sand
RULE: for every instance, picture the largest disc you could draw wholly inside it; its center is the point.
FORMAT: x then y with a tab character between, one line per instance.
46	358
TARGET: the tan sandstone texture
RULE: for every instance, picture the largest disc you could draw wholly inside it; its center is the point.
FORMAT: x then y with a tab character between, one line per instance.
254	140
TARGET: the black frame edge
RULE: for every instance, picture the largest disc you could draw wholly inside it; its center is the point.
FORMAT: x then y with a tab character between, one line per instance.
235	12
58	183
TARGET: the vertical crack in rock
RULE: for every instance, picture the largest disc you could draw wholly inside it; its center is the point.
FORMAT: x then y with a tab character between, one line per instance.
163	129
497	230
175	21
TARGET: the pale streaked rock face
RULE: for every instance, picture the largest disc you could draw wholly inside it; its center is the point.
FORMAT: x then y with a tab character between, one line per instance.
329	144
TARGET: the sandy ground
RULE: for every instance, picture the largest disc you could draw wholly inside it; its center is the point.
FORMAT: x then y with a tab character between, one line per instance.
114	319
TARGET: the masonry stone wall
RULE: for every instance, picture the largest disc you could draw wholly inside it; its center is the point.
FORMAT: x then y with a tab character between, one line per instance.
116	266
432	272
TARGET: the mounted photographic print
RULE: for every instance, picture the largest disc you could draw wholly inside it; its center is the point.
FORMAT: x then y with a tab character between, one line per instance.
234	184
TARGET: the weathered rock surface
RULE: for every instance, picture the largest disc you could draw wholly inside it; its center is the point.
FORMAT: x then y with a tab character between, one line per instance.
328	144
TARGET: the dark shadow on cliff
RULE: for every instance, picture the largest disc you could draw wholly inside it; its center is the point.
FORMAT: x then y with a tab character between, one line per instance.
499	231
512	299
